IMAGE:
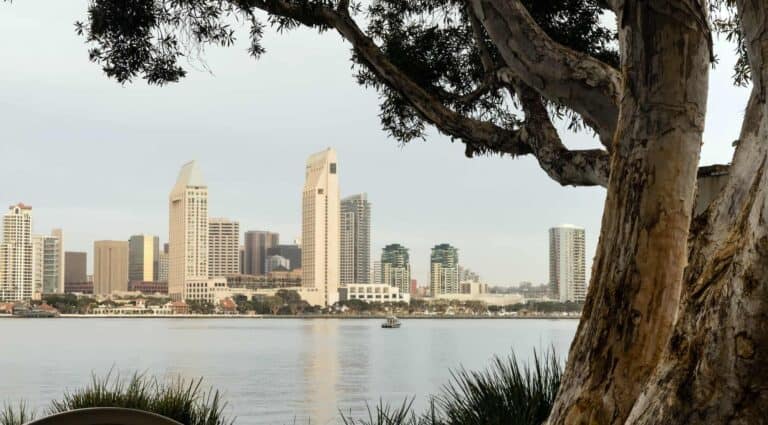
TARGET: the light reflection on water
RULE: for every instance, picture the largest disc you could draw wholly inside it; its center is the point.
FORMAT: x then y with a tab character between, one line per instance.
272	371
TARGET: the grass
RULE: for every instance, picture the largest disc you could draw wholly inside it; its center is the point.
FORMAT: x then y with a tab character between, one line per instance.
183	400
507	393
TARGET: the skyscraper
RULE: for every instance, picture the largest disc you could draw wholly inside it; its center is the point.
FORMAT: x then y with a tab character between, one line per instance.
143	257
320	226
75	267
355	239
188	235
62	265
16	257
444	270
566	263
396	267
47	266
110	267
257	245
223	247
162	265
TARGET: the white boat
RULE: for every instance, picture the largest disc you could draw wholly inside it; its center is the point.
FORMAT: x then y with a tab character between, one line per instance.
391	323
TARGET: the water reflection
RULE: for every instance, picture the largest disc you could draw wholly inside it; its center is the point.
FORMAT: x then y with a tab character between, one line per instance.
321	369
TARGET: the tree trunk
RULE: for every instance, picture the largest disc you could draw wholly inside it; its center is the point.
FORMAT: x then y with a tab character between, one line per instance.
715	369
638	269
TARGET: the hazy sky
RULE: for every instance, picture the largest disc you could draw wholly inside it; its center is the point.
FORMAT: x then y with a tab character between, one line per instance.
99	159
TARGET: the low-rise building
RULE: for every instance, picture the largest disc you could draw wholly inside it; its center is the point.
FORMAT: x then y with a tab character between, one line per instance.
372	292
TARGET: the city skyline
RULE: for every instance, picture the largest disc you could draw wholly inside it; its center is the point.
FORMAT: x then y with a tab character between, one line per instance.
81	141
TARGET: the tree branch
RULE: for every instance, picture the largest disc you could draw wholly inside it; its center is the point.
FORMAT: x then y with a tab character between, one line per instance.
586	85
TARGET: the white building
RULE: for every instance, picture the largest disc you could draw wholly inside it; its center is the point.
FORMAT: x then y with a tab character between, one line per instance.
223	247
566	263
188	231
320	227
444	270
47	263
373	292
355	239
16	256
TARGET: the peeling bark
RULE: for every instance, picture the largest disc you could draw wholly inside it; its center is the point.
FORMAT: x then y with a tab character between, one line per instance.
638	269
714	369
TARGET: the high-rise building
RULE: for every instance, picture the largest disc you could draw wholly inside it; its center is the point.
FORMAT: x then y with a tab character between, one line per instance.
47	265
110	267
242	258
257	245
223	247
566	263
162	267
143	257
75	267
16	256
320	226
290	252
377	276
396	267
355	239
62	265
444	270
188	235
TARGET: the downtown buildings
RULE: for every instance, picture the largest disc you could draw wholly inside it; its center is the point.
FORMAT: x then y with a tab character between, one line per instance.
188	232
110	267
355	239
16	257
320	228
395	268
566	263
258	243
143	257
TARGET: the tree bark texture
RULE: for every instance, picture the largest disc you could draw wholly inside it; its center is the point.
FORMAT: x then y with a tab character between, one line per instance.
715	369
638	268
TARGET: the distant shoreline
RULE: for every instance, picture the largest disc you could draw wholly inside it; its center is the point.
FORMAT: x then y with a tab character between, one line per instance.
300	317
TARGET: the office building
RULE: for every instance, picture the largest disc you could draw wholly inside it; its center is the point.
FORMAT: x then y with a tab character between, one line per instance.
16	256
110	267
355	239
292	253
143	257
75	267
396	267
444	270
188	231
162	267
566	263
257	244
223	247
278	263
320	227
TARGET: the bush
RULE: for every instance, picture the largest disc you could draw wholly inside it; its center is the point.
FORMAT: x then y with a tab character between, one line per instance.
505	394
183	400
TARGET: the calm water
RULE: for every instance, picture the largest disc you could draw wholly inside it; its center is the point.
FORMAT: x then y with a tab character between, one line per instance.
271	371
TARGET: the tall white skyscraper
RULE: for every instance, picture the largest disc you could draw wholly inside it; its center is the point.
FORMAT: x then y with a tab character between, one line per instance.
320	232
223	247
356	239
566	263
16	256
188	231
48	263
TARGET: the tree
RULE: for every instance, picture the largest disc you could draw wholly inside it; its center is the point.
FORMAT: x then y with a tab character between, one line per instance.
656	340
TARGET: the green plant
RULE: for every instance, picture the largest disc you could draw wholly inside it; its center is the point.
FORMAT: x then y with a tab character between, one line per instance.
183	400
16	416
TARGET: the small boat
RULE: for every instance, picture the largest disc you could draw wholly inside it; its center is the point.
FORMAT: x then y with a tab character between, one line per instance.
391	323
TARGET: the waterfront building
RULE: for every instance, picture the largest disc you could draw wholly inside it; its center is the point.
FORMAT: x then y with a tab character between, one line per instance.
188	231
355	239
566	263
291	252
16	255
47	265
257	244
444	270
75	267
162	267
376	275
148	287
110	267
373	292
396	267
278	263
143	257
320	228
223	247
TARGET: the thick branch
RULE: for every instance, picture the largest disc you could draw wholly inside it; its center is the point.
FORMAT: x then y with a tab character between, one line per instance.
588	86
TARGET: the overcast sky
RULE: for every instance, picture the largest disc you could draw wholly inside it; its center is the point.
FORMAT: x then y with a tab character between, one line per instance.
99	159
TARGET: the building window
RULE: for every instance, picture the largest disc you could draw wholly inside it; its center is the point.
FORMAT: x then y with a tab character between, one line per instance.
333	168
